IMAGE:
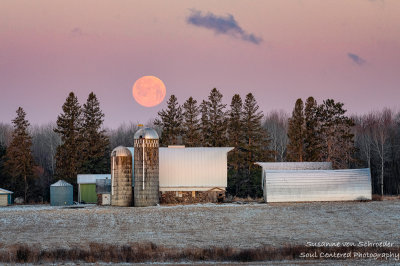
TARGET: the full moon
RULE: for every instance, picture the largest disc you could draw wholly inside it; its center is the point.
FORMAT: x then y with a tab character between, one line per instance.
148	91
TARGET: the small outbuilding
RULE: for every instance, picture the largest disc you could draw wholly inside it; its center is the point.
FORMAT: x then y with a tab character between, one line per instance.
5	197
61	193
103	190
87	187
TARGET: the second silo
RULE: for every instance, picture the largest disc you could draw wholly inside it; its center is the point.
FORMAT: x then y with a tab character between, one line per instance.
146	167
121	177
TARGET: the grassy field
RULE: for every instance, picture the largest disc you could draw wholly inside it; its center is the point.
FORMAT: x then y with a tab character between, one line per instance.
236	227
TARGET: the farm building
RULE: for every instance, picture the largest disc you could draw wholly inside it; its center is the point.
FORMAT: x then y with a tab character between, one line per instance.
87	187
5	197
193	174
103	191
185	175
61	193
305	184
292	166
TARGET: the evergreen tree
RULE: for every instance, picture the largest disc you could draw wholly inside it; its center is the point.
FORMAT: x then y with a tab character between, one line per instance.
256	137
69	153
95	153
295	149
337	145
311	138
191	123
170	121
19	164
253	143
4	182
236	132
204	124
216	120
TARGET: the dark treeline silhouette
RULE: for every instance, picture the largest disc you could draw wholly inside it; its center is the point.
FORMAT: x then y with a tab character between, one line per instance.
211	124
33	157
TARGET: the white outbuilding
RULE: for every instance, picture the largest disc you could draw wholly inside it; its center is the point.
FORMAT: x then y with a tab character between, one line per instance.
310	181
192	174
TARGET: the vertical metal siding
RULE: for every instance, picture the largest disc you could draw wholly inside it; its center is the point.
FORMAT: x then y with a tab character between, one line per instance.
317	185
61	195
193	167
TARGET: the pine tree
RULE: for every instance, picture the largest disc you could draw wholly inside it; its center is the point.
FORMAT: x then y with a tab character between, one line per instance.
69	127
256	137
235	132
204	124
295	149
253	146
191	123
19	164
337	144
216	120
238	181
170	121
95	143
311	137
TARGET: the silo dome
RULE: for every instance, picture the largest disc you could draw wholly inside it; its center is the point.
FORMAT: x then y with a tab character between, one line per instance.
146	133
120	151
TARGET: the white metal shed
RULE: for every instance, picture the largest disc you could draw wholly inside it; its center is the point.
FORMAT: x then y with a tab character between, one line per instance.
193	169
317	185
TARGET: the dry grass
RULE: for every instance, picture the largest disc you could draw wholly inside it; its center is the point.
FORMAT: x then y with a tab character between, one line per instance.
149	252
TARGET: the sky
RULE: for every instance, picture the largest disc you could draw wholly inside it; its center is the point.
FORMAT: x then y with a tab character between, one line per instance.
279	50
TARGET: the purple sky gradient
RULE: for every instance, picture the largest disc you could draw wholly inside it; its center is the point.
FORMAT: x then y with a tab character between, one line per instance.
340	49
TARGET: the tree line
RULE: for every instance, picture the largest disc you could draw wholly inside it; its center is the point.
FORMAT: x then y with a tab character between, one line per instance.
212	124
33	157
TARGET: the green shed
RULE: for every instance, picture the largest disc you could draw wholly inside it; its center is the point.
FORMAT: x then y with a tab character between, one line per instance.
87	187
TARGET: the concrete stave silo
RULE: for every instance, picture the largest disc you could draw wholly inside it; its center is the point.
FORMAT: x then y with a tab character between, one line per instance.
121	177
146	167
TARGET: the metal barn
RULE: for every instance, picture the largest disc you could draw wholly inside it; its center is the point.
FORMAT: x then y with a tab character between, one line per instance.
5	197
197	174
61	193
193	169
267	166
317	185
87	187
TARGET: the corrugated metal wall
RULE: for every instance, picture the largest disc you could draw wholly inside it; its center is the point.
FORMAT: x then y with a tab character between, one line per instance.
317	185
61	195
186	169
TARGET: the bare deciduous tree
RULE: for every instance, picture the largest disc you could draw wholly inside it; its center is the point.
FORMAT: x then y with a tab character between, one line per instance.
380	135
276	124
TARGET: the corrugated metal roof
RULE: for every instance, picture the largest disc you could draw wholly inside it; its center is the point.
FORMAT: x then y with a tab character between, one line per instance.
5	191
61	183
91	179
292	166
317	185
295	165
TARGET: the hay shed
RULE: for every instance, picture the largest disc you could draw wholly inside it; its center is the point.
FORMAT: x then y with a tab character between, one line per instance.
5	197
61	193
